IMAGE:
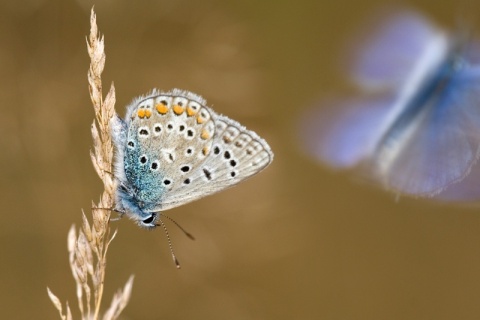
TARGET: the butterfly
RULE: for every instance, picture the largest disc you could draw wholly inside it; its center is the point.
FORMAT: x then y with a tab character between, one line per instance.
172	149
416	129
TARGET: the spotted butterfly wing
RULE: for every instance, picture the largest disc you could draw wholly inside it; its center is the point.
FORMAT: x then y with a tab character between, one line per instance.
235	155
172	149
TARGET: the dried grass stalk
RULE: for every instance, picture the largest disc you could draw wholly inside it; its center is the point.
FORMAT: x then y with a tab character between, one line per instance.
88	249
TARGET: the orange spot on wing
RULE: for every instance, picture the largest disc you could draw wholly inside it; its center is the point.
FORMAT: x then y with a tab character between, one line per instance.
161	108
178	110
200	120
148	113
141	113
205	151
190	111
205	135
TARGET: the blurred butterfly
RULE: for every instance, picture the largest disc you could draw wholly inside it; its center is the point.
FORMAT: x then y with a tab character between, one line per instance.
416	130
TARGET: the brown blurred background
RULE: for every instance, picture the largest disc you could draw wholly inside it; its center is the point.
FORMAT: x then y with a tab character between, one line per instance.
295	242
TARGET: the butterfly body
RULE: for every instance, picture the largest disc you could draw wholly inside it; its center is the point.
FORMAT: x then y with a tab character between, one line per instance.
172	149
421	93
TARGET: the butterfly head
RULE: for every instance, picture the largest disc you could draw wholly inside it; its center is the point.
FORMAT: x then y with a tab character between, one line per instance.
149	221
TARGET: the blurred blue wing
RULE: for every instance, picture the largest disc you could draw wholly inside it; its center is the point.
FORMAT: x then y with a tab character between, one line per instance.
466	190
440	145
472	53
345	132
421	139
387	57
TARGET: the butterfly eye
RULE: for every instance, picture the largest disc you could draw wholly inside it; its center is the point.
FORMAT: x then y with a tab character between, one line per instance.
150	221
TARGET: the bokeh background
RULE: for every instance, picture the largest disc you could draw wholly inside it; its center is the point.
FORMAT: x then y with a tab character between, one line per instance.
295	242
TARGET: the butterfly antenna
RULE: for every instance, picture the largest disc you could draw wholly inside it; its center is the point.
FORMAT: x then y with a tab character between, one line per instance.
188	234
177	264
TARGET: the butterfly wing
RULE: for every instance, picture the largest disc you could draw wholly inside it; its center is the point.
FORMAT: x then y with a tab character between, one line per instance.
404	46
235	155
168	135
386	56
466	190
178	150
439	146
342	134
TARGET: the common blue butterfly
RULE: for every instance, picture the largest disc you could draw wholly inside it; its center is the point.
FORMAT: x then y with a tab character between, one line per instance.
416	130
172	149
